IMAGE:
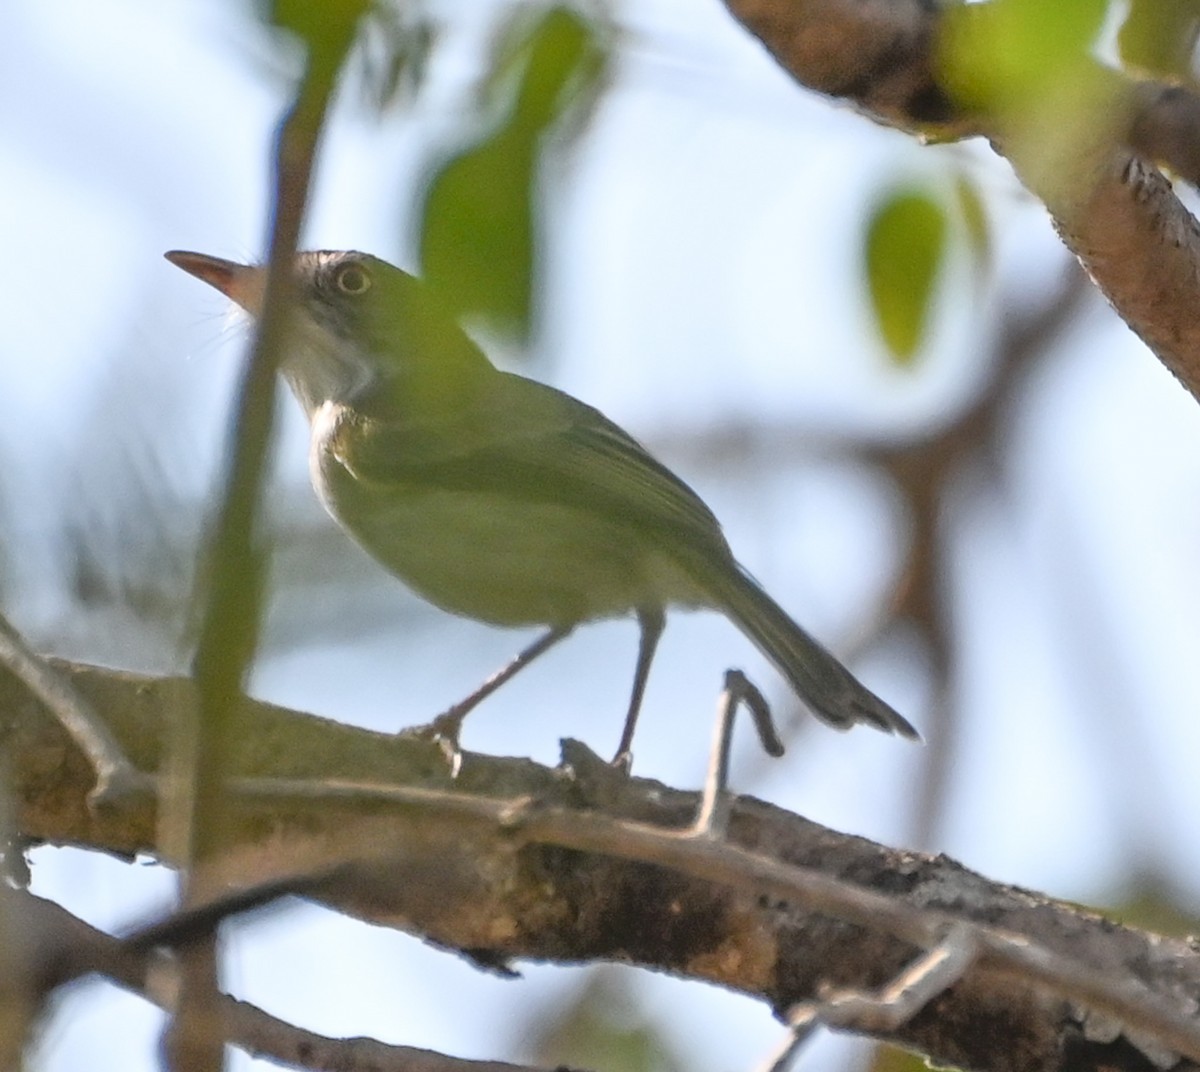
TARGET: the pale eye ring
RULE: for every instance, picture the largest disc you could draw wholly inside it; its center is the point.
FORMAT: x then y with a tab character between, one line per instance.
352	279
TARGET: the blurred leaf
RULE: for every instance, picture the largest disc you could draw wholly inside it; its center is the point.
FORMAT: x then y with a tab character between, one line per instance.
891	1059
313	22
325	26
1005	54
477	242
556	61
603	1028
396	46
905	247
1155	903
1160	36
478	239
974	217
975	225
1028	65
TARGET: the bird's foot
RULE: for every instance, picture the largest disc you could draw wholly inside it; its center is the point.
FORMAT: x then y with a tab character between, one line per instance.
598	782
622	761
444	731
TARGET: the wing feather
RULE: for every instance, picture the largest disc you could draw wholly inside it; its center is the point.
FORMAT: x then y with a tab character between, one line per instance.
542	446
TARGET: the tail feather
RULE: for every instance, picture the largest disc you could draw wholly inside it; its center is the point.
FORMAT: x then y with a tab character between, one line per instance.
834	694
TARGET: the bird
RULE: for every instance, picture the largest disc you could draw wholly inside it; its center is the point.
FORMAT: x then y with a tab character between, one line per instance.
502	499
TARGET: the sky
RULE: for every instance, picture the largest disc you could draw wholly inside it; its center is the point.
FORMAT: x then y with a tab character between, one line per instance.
702	274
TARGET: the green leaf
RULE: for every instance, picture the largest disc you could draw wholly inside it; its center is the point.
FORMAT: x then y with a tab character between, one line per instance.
477	244
1159	36
891	1059
326	28
1005	54
556	60
1028	66
315	21
603	1026
905	247
975	221
479	233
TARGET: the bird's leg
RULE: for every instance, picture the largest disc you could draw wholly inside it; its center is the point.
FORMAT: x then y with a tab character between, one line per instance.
445	729
651	622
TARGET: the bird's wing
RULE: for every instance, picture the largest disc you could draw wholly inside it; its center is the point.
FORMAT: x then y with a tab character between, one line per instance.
535	443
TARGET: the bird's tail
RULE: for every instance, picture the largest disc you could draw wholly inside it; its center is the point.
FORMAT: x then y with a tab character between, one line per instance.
834	694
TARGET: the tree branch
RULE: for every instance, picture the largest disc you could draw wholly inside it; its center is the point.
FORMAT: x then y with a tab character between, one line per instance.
1113	209
513	860
68	948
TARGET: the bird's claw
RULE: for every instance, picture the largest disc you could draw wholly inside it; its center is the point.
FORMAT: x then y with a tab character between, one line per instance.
622	761
444	731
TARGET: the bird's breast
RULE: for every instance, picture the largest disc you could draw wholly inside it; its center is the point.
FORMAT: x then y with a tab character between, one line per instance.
497	557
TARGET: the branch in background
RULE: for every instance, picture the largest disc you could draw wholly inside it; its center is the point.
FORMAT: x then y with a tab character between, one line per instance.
779	908
1114	211
925	472
66	948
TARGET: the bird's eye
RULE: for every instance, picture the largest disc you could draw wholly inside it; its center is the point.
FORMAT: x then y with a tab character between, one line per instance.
352	279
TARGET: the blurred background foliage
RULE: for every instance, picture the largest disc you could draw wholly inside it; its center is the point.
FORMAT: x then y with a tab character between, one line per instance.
479	226
924	431
1159	37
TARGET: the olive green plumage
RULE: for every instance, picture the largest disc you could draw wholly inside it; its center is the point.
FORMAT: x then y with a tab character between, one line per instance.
499	498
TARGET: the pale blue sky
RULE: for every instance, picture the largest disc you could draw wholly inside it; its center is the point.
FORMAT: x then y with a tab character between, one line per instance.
702	269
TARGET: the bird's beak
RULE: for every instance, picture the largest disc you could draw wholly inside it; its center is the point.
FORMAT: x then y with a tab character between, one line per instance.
242	283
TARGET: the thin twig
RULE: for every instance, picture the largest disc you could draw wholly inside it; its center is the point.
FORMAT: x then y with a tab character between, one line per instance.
928	977
116	778
70	948
714	802
803	1025
236	561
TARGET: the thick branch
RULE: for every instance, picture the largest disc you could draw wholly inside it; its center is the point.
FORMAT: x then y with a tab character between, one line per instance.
408	847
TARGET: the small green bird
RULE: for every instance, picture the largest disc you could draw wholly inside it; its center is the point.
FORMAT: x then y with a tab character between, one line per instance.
501	499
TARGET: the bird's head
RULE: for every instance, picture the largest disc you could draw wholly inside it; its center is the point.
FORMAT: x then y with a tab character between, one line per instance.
361	328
